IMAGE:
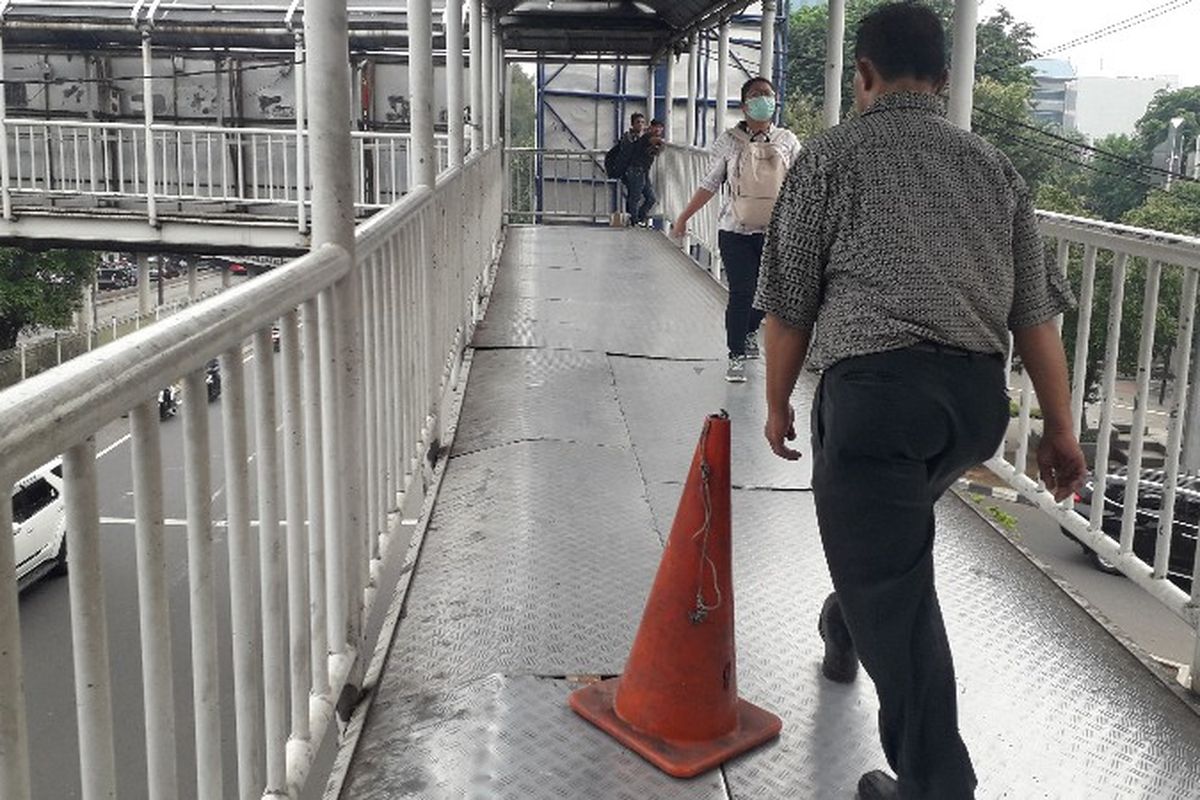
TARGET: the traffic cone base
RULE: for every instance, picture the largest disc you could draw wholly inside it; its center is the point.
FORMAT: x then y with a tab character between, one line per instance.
676	703
680	759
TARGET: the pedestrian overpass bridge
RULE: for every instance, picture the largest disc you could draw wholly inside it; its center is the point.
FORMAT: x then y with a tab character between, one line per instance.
439	506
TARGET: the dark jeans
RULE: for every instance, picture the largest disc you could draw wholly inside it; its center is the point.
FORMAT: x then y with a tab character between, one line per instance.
890	433
639	194
741	254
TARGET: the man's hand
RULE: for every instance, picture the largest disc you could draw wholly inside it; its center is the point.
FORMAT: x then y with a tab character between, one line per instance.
1061	463
780	428
679	230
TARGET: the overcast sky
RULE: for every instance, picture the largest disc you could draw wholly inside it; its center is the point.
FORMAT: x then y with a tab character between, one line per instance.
1166	45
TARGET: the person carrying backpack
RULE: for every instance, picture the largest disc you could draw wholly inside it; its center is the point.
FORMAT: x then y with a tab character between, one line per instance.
750	160
619	163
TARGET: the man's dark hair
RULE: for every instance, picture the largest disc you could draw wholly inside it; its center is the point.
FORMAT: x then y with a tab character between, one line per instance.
636	116
657	122
750	84
903	40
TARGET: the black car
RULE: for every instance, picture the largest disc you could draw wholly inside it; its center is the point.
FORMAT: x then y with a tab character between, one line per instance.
109	278
1145	529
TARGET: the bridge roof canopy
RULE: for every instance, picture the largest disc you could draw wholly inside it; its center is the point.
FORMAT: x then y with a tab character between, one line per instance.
606	28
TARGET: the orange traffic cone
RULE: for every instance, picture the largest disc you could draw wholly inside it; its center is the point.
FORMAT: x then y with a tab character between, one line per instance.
676	704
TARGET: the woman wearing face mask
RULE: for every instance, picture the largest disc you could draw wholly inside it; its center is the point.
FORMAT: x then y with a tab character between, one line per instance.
750	160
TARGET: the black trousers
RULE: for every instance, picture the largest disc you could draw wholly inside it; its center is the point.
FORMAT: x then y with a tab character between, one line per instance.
741	254
891	432
639	194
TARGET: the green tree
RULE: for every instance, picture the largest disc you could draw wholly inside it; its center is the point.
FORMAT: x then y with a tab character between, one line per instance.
1112	189
524	109
1002	93
1174	211
40	289
1152	128
1004	46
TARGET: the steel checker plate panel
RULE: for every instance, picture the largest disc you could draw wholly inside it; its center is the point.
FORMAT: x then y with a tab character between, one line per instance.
665	404
506	737
547	533
549	394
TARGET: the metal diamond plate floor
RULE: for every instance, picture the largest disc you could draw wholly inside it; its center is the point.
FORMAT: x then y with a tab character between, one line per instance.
600	355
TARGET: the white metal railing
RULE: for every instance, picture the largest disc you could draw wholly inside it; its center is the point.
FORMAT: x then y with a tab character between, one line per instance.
1162	271
571	186
247	168
422	267
43	352
678	173
560	185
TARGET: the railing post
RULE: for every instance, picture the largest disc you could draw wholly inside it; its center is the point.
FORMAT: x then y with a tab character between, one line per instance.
962	64
420	75
476	74
247	658
722	79
193	279
89	627
202	595
148	109
835	39
24	365
327	37
454	81
14	742
5	175
153	601
301	118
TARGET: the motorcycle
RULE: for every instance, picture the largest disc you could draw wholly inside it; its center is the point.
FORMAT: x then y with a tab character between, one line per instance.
212	379
168	403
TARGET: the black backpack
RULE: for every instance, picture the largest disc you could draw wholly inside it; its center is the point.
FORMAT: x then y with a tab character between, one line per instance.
616	161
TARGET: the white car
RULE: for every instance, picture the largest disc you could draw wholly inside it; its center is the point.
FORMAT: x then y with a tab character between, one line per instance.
40	524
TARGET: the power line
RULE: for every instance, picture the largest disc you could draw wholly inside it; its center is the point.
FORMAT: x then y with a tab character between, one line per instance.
1086	147
1059	155
1101	33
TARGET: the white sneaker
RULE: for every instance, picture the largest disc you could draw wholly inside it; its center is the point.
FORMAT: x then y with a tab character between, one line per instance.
736	372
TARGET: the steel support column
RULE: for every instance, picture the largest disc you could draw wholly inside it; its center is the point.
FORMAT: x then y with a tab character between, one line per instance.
301	126
693	74
766	55
5	176
454	81
485	70
962	64
330	149
151	173
476	75
498	73
420	79
835	45
722	79
669	98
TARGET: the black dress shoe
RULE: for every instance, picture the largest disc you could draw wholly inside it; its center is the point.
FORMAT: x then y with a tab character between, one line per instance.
878	785
841	659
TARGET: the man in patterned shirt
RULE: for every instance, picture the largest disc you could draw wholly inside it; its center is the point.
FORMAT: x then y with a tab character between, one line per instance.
901	254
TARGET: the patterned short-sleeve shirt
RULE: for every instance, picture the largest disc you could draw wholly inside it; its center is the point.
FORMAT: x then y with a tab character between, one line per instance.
898	227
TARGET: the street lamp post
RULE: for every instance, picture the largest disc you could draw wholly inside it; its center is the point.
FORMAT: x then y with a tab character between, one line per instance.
1174	150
